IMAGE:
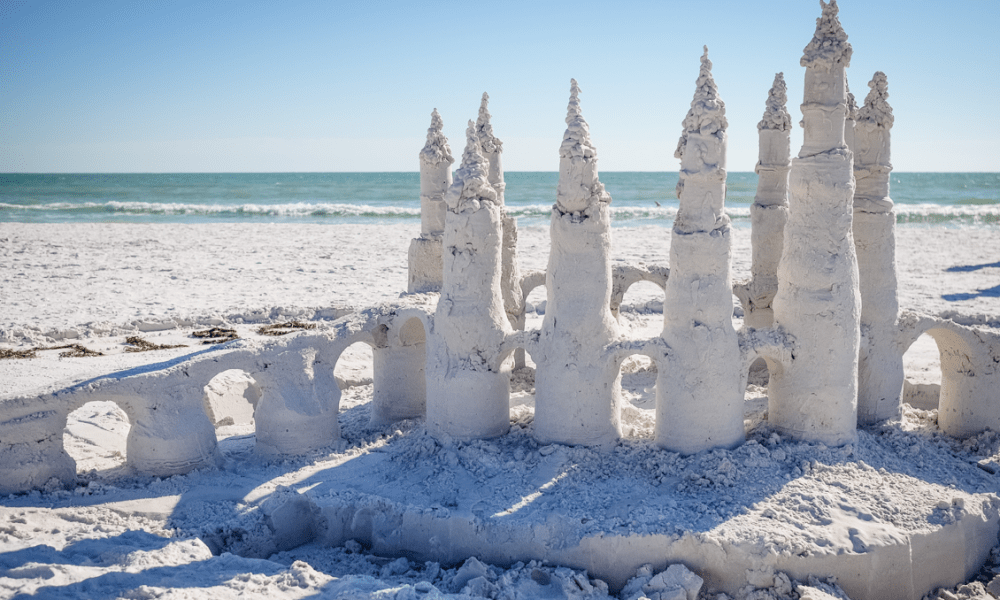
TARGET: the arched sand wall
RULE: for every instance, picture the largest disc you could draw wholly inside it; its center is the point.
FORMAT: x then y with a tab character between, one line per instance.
624	276
970	372
170	431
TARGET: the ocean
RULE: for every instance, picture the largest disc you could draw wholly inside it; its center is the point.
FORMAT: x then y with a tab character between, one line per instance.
639	198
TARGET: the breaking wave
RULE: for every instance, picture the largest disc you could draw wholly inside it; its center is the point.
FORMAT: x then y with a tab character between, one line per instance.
530	214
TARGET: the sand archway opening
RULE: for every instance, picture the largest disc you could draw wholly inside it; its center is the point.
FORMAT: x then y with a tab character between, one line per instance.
354	374
522	389
641	310
96	437
399	379
637	375
922	371
534	306
230	400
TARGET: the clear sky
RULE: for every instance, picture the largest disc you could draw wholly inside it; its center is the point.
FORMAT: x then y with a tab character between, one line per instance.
225	85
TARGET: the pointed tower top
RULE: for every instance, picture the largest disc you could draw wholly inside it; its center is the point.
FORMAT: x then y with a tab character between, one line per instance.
876	109
776	114
436	150
829	46
852	103
576	140
579	187
573	110
471	185
707	114
484	129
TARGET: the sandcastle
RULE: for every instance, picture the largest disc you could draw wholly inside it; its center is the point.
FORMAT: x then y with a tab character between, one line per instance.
821	311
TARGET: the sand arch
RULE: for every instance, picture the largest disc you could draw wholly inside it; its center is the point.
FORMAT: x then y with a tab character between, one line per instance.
231	397
970	372
400	359
772	346
624	276
95	437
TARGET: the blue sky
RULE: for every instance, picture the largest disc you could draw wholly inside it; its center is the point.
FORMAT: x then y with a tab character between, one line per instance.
349	86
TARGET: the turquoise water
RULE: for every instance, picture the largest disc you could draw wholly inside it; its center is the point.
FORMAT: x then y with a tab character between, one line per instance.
938	199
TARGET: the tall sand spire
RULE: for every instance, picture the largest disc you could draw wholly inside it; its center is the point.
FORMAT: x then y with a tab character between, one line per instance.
818	303
424	257
577	393
468	389
699	395
491	146
769	212
880	371
492	149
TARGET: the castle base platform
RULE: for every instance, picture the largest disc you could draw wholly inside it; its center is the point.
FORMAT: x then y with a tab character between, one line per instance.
882	526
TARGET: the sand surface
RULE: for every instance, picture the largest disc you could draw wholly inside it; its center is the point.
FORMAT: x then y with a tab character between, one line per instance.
94	278
118	535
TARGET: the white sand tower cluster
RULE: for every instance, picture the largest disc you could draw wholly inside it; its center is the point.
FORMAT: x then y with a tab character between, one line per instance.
821	310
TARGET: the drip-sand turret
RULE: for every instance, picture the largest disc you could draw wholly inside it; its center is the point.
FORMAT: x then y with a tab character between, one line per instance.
880	370
817	302
577	393
769	211
699	395
492	149
435	178
468	390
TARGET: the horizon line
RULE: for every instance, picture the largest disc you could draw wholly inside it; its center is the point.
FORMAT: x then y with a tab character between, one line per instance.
2	173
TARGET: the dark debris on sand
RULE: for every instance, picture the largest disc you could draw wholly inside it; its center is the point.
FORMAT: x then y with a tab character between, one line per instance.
284	328
140	345
71	351
216	335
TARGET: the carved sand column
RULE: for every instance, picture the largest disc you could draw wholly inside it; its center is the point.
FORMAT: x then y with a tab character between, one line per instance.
299	404
769	212
467	390
435	177
880	370
818	302
577	393
699	397
510	277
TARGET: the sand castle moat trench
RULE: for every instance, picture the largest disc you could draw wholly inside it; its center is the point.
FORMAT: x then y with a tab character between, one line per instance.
559	482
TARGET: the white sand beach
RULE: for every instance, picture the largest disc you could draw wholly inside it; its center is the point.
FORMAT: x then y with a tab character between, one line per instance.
203	534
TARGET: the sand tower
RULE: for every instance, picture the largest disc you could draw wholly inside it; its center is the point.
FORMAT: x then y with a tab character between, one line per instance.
818	303
577	393
467	391
699	396
435	178
492	149
880	370
769	210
